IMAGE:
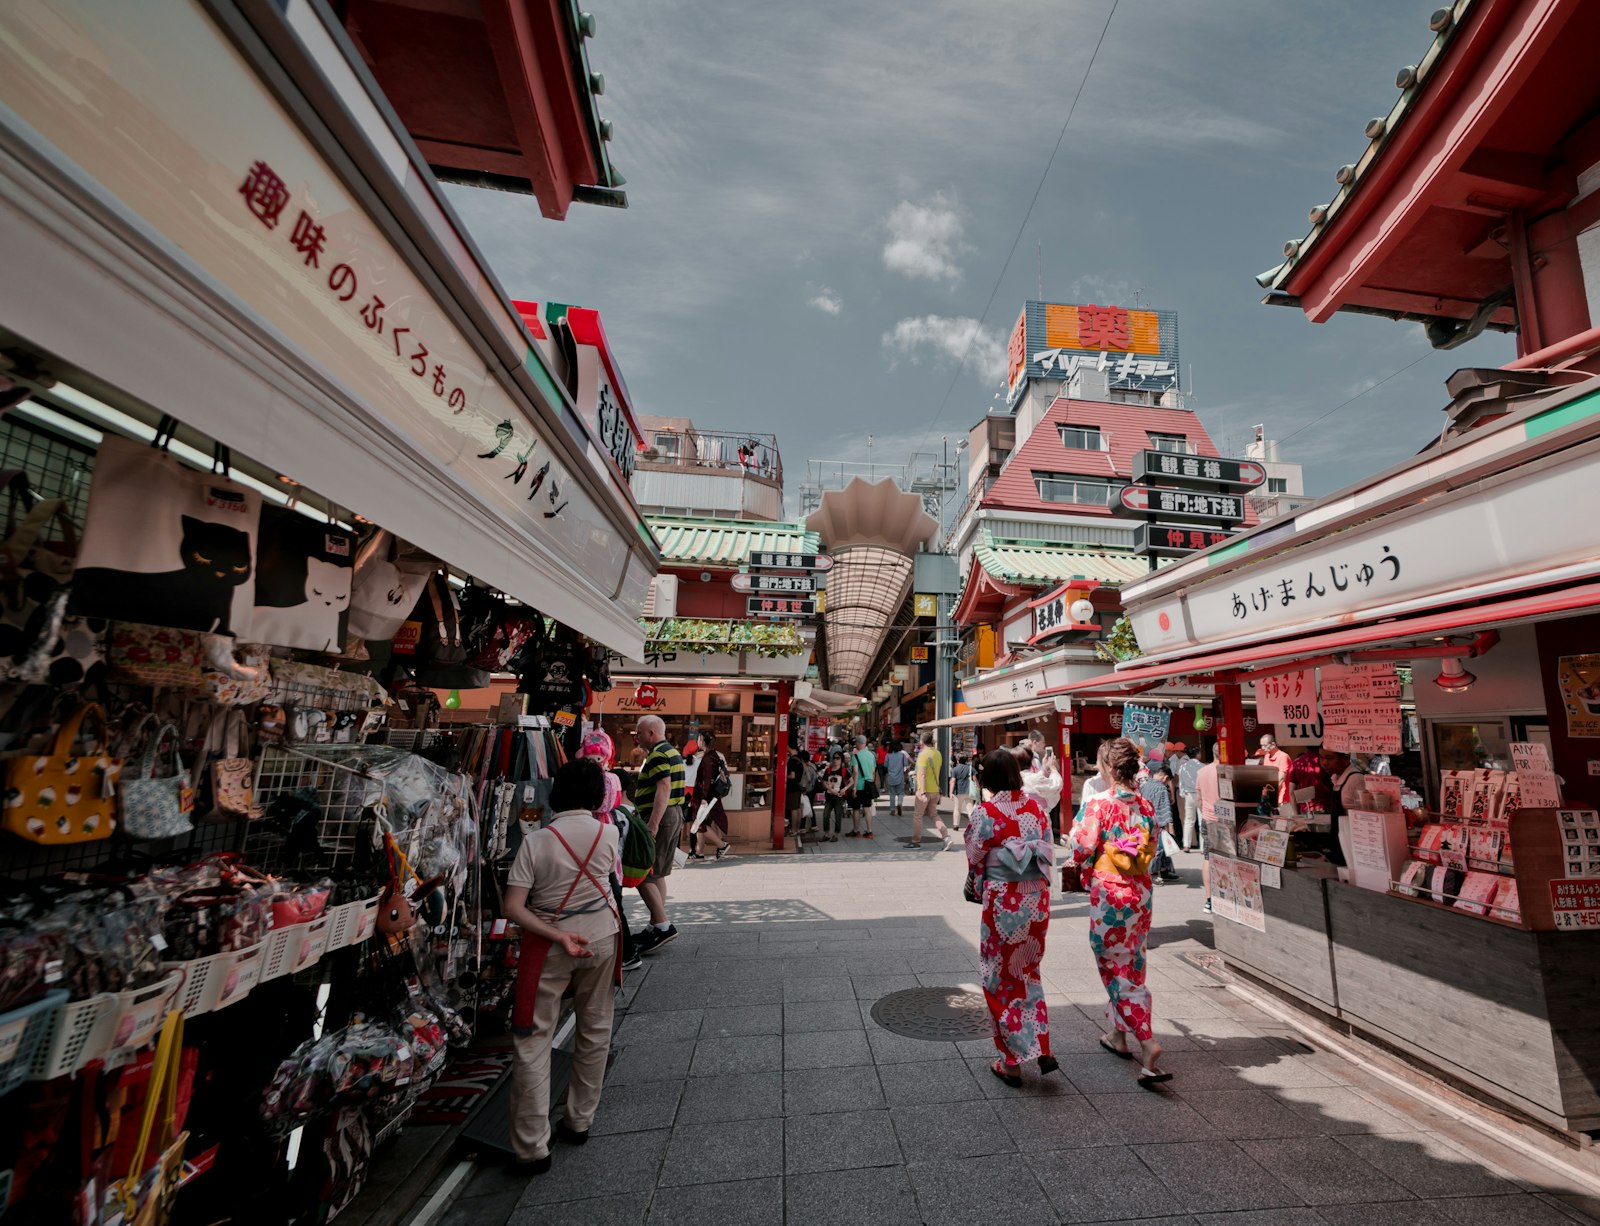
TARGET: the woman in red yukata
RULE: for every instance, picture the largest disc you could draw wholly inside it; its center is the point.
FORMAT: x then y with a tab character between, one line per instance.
1009	852
1116	839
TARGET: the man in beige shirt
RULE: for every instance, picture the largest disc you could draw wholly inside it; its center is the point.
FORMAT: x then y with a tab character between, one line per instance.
559	895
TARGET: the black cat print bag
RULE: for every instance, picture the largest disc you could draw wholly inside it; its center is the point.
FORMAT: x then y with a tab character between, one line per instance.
166	545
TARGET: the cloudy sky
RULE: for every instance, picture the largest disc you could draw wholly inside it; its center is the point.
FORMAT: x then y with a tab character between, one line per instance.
823	197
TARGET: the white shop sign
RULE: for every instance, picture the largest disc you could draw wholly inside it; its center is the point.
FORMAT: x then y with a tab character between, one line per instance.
227	175
1050	615
1288	698
1533	523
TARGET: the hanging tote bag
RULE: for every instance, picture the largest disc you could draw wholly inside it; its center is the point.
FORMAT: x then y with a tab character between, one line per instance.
62	797
386	585
304	572
441	658
159	657
165	545
157	806
232	769
39	643
145	1197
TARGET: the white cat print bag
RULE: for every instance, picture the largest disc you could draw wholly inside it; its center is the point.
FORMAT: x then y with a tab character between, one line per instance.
389	580
166	545
304	569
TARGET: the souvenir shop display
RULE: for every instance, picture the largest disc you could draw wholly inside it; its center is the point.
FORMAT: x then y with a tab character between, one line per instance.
64	796
304	571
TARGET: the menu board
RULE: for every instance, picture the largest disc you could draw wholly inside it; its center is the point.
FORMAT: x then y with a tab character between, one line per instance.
1360	708
1250	910
1536	777
1224	887
1580	841
1374	847
1272	846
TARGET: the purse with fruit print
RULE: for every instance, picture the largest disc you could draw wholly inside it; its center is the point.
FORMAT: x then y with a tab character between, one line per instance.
64	796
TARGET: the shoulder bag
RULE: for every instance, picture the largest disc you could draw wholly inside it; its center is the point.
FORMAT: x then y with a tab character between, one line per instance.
156	806
144	1198
59	798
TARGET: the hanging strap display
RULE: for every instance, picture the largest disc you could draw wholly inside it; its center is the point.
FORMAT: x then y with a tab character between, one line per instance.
144	1198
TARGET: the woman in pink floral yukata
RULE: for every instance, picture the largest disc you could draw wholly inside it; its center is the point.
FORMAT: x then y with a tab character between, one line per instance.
1009	852
1115	837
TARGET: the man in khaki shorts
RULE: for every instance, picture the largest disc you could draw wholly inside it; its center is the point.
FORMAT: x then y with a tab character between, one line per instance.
929	768
659	798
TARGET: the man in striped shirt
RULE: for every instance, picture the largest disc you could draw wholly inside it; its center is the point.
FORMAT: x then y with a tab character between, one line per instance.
658	795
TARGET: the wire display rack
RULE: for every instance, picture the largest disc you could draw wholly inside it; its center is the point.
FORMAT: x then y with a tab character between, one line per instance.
57	467
342	788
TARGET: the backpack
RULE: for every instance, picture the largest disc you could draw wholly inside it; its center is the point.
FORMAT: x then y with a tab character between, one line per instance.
808	778
638	846
721	784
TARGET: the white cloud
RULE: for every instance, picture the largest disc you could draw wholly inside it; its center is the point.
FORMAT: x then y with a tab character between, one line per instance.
925	240
951	338
826	301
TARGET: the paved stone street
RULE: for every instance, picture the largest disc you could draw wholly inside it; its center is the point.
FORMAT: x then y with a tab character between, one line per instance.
751	1086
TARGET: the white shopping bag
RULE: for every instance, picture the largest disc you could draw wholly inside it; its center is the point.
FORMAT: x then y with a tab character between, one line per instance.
805	805
700	817
1168	843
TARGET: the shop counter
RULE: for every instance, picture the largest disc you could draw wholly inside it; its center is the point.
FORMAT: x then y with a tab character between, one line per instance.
1508	1011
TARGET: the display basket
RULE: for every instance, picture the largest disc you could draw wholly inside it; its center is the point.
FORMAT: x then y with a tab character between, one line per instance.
278	951
365	921
133	1017
22	1032
68	1041
233	975
313	943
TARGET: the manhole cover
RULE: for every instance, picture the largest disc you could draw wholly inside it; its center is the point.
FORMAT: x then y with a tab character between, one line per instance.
938	1014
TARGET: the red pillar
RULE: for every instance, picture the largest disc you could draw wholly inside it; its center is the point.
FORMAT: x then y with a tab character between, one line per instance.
780	767
1064	753
1231	747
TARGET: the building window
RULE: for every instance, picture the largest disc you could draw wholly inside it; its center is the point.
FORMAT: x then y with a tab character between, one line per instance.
1055	487
667	446
1277	485
1083	438
1175	443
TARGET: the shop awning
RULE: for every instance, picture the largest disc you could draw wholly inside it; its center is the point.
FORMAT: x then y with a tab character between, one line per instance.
1036	563
692	541
808	697
970	719
1240	662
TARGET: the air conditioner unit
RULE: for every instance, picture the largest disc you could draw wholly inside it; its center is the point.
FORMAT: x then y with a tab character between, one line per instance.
662	598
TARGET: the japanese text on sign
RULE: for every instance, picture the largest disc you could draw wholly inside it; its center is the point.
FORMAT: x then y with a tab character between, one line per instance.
1289	698
1575	903
267	198
1283	592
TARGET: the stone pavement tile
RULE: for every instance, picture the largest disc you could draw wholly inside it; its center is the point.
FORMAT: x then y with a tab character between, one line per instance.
1199	1070
1222	1033
978	1190
651	1062
1065	1121
1273	1217
628	1210
618	1164
1338	1109
890	1048
812	966
931	962
1320	1174
742	1020
949	979
805	1017
731	1096
938	1133
839	1142
879	1195
928	1081
1248	1113
1212	1176
746	994
1425	1164
756	1053
1188	1003
749	1202
826	1049
872	988
1100	1186
1411	1212
670	1026
654	999
878	963
1101	1073
820	1091
1034	1084
1517	1210
1275	1070
1152	1118
831	987
488	1210
718	1153
636	1107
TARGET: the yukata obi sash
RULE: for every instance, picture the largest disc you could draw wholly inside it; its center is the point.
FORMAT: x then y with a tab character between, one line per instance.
535	949
1020	859
1131	855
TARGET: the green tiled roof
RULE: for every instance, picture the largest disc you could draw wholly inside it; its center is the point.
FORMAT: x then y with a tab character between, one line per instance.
1038	563
690	541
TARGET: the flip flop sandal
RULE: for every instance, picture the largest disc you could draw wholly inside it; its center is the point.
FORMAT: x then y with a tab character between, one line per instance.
1116	1051
1147	1078
1011	1079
